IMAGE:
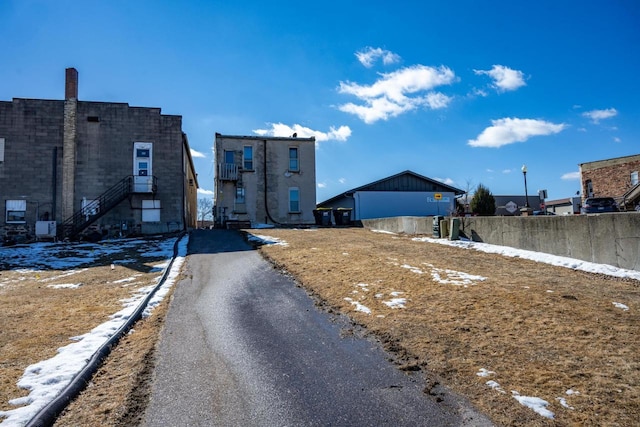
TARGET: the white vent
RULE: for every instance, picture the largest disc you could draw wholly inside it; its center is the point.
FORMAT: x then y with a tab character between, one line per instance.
46	229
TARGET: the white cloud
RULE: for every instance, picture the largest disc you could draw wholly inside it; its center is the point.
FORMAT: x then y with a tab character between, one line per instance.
447	181
509	130
369	55
616	139
597	115
571	176
195	153
281	130
507	171
389	95
342	180
504	78
322	185
203	192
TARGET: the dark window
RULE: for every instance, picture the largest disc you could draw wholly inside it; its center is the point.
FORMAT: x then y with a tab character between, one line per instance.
247	155
94	119
142	152
294	165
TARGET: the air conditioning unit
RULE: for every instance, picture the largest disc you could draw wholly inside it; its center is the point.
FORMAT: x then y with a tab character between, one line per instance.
46	229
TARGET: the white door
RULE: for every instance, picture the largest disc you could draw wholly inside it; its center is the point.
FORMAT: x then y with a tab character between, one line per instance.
142	167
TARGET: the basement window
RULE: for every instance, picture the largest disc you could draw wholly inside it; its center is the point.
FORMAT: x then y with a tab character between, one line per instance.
16	211
94	119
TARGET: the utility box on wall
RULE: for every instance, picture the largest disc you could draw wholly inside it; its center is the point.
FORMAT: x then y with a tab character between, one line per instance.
45	229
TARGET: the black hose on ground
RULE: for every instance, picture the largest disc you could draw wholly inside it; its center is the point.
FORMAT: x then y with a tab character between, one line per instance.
48	414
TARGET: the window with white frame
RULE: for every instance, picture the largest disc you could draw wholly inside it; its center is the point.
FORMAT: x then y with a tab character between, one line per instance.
247	158
294	200
1	149
15	211
294	164
634	178
151	211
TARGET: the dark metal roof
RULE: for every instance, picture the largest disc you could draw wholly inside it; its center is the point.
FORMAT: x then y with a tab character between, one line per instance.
403	181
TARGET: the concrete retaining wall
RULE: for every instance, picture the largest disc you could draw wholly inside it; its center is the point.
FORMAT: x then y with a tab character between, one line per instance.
612	239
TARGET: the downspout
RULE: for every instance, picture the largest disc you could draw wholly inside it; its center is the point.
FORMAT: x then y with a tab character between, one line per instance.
54	183
264	169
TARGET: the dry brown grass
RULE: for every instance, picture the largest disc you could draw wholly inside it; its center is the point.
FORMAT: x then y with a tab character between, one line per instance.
539	343
37	319
119	392
543	330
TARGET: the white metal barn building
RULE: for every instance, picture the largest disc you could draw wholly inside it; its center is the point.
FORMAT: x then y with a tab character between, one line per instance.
403	194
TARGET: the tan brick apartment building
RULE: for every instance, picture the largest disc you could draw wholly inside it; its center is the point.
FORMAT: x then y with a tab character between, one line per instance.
264	180
617	178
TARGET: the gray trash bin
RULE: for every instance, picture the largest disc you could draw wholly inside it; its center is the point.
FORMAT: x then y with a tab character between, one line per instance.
436	226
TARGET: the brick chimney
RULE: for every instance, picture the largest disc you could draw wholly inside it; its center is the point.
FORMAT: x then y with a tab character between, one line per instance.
69	142
71	84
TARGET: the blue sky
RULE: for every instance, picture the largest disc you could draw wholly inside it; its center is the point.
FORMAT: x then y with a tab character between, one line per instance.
465	92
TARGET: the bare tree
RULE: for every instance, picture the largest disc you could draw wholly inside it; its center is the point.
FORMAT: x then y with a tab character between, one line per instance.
205	210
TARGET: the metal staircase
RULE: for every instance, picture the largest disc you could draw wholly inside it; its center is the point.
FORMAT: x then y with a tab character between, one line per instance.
97	208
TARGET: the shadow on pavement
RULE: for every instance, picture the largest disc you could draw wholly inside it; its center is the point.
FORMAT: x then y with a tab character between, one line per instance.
217	241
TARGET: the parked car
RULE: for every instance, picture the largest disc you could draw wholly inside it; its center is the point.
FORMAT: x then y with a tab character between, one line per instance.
599	205
536	213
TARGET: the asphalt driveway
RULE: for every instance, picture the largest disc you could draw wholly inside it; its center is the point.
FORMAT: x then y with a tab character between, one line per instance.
243	345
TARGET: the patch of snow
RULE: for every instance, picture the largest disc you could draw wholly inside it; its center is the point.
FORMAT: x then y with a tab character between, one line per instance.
556	260
127	279
622	306
396	303
452	277
65	274
359	307
47	378
571	392
266	240
363	286
383	232
263	226
494	385
485	373
535	403
65	286
564	403
412	269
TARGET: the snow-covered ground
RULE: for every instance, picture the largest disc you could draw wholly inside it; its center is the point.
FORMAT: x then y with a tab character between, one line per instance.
458	278
47	378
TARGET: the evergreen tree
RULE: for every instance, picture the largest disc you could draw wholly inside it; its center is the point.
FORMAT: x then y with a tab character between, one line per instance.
483	202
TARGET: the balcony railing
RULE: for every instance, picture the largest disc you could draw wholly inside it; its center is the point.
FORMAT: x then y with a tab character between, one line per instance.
227	172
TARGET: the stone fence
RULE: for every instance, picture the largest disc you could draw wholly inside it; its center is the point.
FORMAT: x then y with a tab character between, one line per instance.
612	239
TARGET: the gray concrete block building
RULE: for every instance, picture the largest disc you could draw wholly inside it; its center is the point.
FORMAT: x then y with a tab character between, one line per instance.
68	167
264	180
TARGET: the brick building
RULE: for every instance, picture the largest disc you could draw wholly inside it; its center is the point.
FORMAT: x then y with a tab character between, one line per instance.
260	180
617	178
93	166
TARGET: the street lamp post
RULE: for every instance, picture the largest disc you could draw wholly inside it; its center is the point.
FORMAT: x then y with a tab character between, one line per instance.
526	195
